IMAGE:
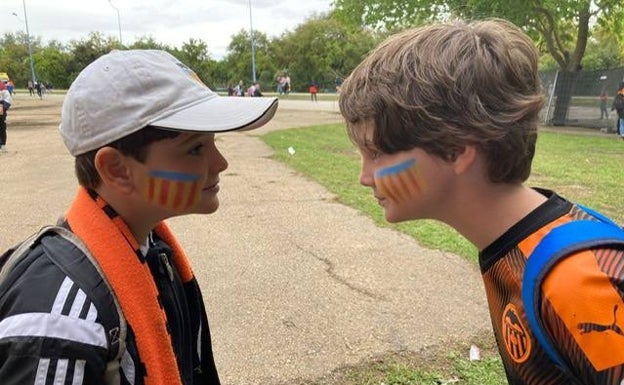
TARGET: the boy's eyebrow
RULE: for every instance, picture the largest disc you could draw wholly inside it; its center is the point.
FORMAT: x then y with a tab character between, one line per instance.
190	138
368	144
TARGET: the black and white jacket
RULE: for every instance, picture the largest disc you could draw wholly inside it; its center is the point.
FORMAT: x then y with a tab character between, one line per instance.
59	323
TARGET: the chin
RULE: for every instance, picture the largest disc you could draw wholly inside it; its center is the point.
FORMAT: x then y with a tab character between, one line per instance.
206	208
393	218
396	216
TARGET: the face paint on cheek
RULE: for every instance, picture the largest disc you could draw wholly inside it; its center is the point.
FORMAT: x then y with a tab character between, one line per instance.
173	190
400	182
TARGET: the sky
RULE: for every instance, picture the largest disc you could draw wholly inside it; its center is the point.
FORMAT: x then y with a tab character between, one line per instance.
171	22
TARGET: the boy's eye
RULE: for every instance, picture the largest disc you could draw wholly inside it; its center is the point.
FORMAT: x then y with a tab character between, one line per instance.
197	150
372	153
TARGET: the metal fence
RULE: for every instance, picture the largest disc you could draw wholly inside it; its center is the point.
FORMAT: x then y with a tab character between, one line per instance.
574	99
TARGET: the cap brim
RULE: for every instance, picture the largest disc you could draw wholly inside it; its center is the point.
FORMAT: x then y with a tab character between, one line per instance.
221	114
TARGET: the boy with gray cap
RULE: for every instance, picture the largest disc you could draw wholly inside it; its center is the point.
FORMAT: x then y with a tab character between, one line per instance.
117	302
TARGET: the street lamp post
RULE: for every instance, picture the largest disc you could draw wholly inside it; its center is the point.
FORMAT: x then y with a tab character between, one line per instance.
118	20
253	46
32	63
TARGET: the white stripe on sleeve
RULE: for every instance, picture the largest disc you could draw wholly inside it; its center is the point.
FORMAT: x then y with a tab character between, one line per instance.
53	326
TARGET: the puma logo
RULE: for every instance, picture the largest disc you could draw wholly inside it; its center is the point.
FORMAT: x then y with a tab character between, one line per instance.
588	327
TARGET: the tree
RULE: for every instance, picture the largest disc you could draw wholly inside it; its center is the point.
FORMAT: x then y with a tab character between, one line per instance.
194	53
320	50
238	58
14	58
603	51
148	42
51	65
84	52
560	27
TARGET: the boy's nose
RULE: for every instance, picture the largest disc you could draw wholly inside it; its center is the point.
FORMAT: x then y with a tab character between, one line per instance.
217	161
367	176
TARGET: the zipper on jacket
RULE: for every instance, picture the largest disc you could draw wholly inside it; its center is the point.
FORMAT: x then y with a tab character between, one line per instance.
169	279
165	261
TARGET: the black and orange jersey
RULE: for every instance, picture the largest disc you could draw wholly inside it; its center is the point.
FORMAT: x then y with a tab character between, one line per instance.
582	307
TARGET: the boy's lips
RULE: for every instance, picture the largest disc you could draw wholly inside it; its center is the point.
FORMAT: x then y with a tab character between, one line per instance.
377	195
212	187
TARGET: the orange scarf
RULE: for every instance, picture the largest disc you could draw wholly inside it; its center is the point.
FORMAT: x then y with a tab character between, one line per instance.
113	246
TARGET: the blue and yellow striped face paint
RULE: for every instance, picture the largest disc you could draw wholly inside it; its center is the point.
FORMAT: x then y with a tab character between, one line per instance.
174	190
400	182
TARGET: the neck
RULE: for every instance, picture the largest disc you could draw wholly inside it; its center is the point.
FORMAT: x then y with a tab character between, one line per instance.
483	215
139	223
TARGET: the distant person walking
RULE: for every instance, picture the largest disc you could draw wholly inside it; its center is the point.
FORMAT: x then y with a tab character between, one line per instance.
338	83
313	91
256	90
287	85
38	88
618	106
5	104
31	88
281	84
10	87
240	89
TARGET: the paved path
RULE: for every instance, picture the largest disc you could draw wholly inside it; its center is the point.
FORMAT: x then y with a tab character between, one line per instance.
296	284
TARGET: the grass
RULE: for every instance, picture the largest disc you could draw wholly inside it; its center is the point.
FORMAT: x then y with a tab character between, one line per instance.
435	365
582	168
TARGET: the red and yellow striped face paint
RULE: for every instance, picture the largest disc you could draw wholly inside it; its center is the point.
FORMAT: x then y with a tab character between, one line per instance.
400	182
174	190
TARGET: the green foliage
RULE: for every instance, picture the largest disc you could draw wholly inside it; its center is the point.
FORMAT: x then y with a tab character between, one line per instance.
51	65
148	42
320	50
604	50
239	62
389	14
194	53
14	58
560	27
84	52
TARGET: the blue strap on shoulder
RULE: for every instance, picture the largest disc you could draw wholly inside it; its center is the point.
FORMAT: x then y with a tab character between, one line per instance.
559	242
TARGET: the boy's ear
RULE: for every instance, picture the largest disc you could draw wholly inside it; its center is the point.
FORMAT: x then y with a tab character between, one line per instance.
114	169
465	159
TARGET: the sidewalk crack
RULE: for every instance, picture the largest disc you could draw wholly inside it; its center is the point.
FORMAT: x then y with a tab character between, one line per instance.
330	269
